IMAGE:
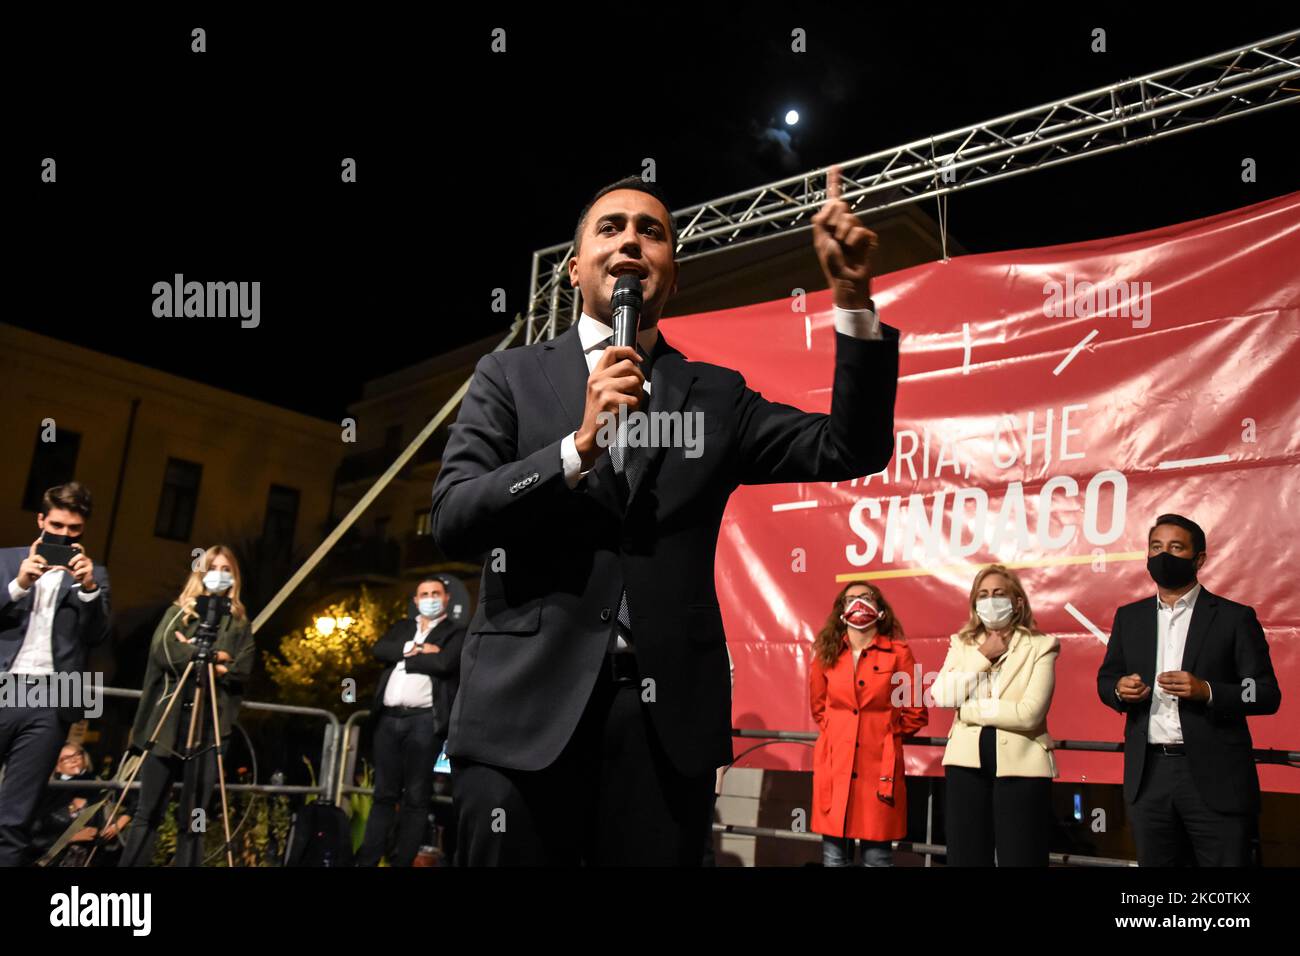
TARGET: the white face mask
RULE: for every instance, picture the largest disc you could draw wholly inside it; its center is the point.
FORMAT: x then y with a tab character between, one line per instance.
218	580
430	607
995	612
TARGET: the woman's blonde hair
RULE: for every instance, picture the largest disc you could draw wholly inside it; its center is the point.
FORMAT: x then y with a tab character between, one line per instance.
1022	616
194	586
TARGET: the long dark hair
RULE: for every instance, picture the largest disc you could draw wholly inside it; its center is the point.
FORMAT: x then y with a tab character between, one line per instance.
827	643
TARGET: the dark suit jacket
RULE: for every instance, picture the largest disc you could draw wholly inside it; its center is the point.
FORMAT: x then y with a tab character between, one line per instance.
1225	647
443	667
78	625
556	559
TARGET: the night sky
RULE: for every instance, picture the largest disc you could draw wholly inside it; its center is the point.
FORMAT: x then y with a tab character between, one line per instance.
224	166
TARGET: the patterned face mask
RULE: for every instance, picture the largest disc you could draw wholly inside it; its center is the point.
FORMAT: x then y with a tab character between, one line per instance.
860	614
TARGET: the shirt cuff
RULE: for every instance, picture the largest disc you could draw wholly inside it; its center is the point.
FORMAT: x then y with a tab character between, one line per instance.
571	460
859	323
15	592
88	596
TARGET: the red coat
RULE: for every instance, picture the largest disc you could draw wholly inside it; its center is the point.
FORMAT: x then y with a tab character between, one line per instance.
858	788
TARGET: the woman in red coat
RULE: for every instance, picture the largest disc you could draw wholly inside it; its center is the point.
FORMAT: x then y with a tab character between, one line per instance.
858	788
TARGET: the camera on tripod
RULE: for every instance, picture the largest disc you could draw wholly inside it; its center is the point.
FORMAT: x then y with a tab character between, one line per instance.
210	609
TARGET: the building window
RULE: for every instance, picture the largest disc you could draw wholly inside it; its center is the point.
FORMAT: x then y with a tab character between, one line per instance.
53	463
424	522
281	519
180	499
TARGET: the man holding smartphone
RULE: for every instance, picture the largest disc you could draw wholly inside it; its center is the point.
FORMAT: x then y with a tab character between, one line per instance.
50	614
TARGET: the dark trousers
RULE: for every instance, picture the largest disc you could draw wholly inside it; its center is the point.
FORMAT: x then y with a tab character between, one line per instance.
612	797
157	774
30	741
405	748
986	814
1169	813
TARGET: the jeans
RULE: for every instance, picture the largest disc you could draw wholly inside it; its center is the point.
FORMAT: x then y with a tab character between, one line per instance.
839	851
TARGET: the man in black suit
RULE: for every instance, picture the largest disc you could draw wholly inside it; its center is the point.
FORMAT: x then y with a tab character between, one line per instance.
49	616
594	704
1186	668
412	707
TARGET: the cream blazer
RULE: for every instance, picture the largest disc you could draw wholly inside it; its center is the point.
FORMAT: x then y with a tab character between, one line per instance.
1013	697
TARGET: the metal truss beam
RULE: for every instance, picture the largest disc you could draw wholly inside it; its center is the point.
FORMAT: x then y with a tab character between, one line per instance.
1237	82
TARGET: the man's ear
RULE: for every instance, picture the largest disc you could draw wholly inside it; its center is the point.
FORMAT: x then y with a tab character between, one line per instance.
1200	560
573	272
674	288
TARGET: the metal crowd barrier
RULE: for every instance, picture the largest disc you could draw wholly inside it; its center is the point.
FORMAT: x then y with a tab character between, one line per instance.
339	753
328	759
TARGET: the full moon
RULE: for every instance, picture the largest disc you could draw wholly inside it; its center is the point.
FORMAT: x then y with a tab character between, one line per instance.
791	117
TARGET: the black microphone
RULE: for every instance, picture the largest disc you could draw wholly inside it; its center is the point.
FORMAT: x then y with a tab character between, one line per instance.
627	309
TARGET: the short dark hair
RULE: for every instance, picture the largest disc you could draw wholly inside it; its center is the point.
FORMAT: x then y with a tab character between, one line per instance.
437	578
627	182
1187	524
73	496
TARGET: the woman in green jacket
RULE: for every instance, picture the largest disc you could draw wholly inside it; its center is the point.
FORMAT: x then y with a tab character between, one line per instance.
170	651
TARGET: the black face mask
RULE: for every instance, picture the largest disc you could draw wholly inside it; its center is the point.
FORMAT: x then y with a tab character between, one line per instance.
1171	572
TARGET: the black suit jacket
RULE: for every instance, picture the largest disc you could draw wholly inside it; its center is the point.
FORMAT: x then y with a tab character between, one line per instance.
556	559
443	667
1225	647
78	625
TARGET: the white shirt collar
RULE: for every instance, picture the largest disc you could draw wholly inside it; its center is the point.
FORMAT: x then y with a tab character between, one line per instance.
593	331
1187	600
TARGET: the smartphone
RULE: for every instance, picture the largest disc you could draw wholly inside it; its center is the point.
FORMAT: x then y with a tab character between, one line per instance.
57	554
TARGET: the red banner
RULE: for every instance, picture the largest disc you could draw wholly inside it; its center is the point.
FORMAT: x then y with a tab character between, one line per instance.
1051	403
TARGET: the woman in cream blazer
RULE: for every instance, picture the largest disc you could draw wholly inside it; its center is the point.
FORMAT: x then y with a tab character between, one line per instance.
998	678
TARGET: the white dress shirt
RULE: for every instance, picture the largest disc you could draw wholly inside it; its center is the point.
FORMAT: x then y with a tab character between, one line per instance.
36	656
1165	726
411	690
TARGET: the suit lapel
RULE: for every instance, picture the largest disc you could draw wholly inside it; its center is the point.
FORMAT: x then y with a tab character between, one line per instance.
1202	614
65	586
565	367
670	381
1144	653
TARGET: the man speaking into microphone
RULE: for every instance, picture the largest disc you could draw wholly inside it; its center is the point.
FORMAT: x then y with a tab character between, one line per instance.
595	701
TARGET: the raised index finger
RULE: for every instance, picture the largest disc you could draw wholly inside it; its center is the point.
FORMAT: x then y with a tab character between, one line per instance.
833	184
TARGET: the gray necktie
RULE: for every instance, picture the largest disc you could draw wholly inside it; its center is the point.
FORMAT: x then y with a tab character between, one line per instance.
629	462
627	465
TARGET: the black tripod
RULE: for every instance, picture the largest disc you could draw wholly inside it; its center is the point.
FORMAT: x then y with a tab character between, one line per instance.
199	695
